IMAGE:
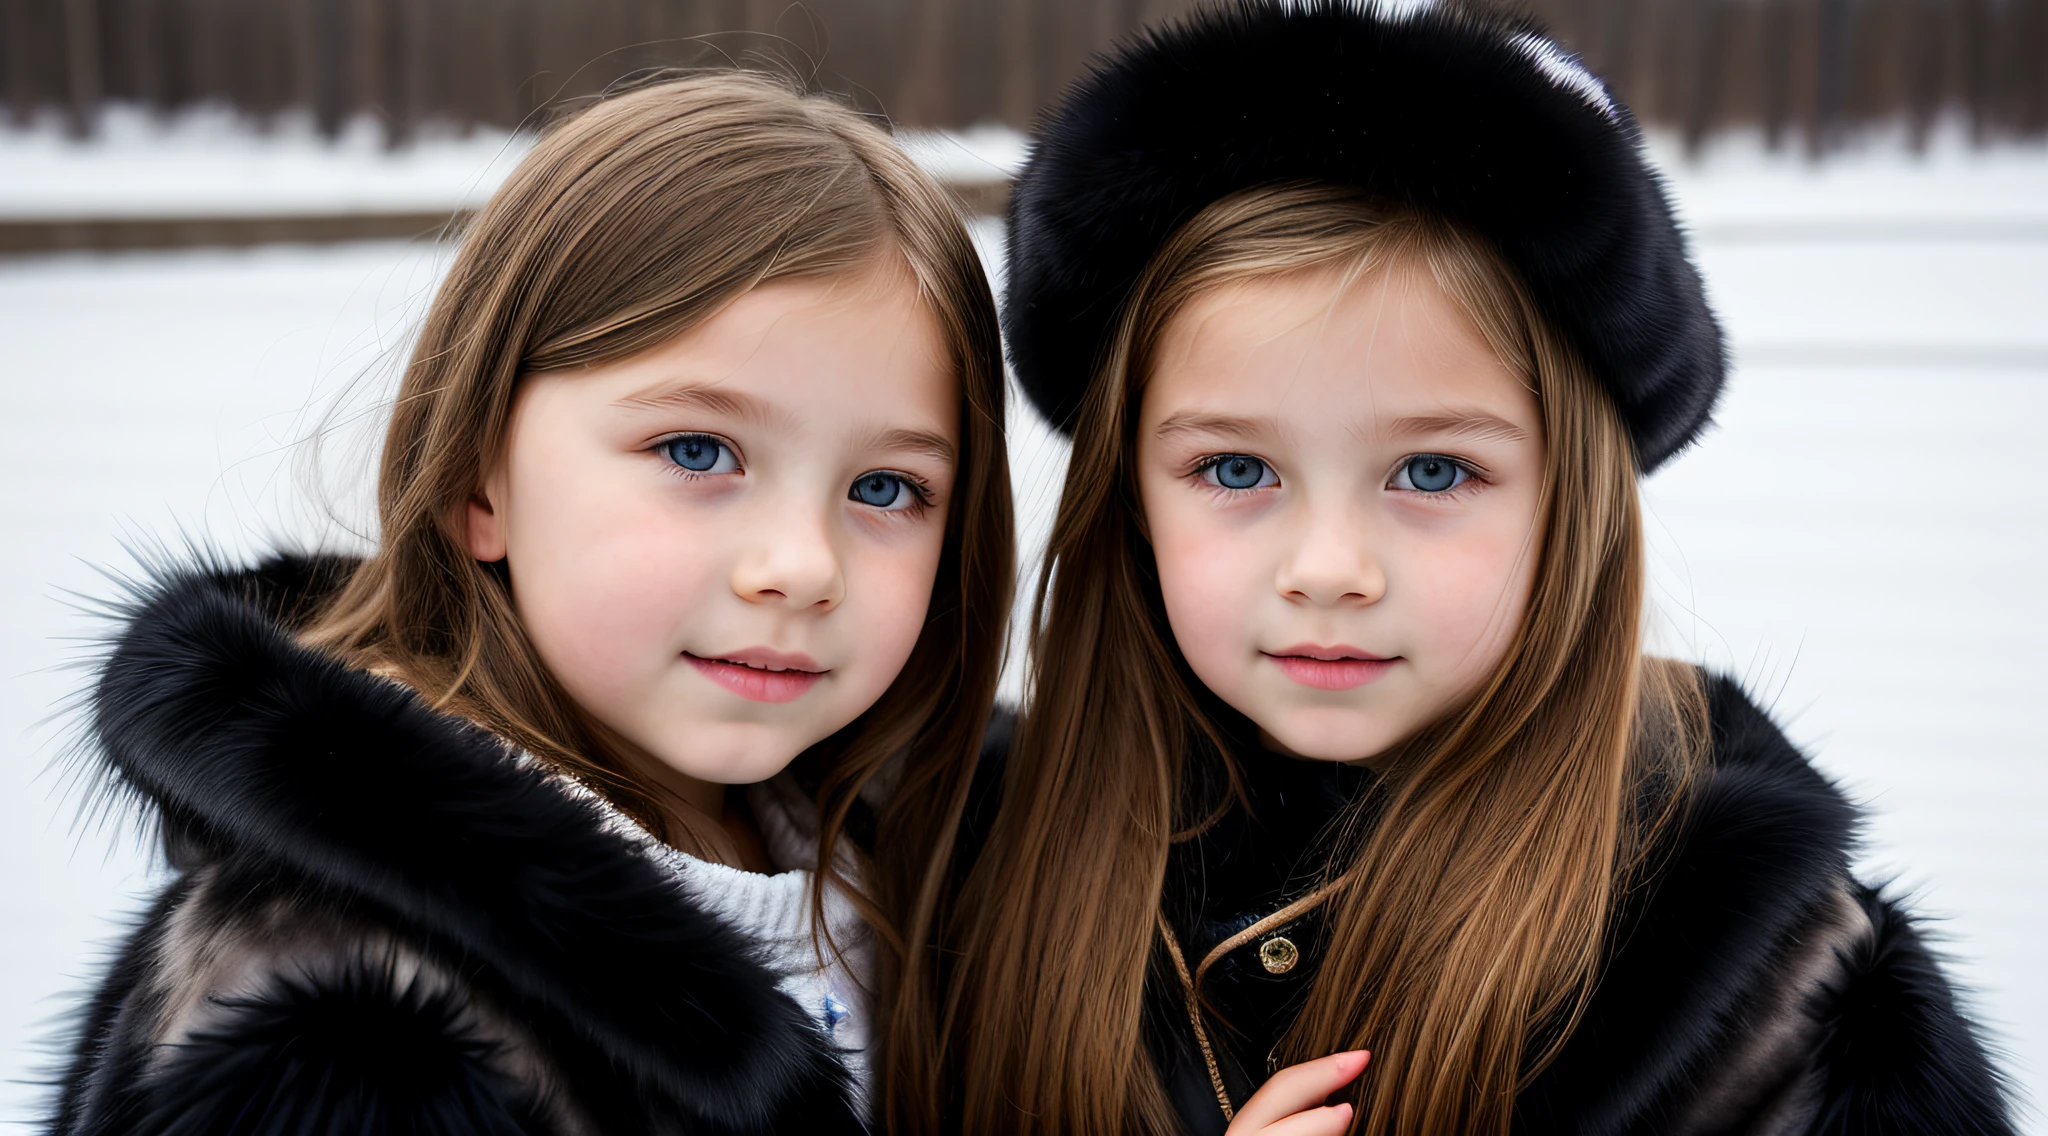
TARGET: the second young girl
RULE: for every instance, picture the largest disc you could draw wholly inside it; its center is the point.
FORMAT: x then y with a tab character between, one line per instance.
1341	735
604	796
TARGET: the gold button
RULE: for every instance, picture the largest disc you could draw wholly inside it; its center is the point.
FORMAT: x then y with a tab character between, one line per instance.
1278	955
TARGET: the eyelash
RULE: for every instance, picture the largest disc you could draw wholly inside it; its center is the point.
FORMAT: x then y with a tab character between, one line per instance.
1474	476
675	469
1215	460
919	488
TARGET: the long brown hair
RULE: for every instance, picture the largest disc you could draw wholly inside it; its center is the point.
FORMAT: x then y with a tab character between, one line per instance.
625	226
1468	914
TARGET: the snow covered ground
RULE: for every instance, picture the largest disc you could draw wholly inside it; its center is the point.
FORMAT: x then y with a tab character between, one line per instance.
210	163
1862	539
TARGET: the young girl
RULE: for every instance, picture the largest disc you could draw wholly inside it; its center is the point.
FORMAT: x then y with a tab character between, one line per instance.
1341	736
605	796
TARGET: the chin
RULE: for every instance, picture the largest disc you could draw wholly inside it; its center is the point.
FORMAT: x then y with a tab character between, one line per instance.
735	753
1329	735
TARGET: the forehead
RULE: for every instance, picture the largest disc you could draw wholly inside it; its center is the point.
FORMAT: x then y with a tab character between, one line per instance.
1320	347
815	351
876	309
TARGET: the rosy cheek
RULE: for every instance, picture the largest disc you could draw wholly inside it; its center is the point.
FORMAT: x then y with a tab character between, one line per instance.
638	586
899	616
889	596
1475	599
1209	585
602	580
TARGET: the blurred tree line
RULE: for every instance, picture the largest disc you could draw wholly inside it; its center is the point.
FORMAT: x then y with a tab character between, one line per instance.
1807	72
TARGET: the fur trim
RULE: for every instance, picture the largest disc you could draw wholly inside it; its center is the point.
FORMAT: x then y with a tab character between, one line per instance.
1478	117
332	789
358	1051
1763	848
1722	1006
1899	1057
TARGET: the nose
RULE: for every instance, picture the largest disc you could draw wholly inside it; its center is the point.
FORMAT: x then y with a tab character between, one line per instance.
1332	562
792	562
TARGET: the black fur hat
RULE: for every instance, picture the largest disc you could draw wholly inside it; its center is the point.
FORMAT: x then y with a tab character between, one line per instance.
1476	116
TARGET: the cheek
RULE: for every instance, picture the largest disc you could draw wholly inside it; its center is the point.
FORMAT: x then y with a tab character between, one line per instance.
1472	598
889	589
1210	579
602	581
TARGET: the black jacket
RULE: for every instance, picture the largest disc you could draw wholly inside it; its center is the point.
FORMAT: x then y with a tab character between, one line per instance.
382	921
1754	987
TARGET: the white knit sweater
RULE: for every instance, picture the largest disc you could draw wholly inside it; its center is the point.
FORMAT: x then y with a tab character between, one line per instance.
774	911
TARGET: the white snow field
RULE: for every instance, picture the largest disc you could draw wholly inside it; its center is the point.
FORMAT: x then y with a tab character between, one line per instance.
1861	539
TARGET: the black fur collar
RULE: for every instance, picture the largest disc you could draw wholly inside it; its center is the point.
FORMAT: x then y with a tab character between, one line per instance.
249	744
1767	838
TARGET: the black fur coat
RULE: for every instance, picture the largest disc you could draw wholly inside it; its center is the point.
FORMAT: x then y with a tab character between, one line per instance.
381	921
1754	987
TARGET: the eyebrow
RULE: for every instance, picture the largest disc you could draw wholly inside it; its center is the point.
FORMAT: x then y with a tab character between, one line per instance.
929	443
1224	425
700	396
1476	425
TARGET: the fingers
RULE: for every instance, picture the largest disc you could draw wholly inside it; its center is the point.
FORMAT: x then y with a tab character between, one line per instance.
1330	1120
1300	1089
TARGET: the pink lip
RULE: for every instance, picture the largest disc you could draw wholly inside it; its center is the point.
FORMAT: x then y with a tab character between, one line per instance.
1330	668
741	672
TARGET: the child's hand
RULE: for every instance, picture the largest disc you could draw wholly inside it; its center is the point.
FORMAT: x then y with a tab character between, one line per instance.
1291	1103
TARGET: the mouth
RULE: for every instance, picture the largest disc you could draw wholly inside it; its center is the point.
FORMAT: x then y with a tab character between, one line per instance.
759	674
1330	668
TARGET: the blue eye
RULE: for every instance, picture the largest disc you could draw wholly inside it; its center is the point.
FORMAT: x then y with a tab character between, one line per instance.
701	453
887	491
1430	473
1239	471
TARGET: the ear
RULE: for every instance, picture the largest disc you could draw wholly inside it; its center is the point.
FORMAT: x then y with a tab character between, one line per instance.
482	524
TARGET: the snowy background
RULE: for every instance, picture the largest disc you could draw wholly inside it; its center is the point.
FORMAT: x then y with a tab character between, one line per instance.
1862	539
